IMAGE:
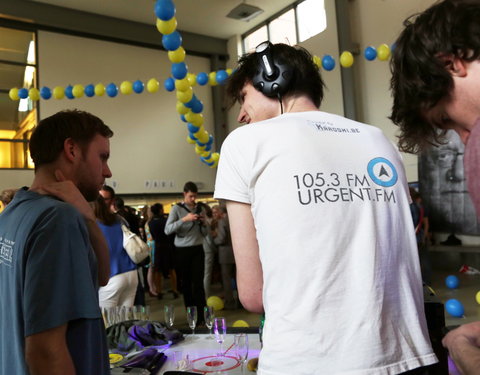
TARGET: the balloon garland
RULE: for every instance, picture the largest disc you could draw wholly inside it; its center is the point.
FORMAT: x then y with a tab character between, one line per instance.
188	106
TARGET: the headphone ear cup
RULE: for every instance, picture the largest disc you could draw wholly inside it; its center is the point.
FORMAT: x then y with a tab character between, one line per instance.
275	86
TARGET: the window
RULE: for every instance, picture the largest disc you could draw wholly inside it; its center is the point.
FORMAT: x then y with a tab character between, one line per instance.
294	24
17	118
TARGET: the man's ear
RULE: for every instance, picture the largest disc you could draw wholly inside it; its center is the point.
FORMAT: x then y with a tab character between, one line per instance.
455	65
70	149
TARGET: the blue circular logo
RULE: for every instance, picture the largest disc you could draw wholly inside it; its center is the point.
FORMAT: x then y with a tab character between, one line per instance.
382	172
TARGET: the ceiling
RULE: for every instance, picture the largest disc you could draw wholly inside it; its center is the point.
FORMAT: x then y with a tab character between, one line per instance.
206	17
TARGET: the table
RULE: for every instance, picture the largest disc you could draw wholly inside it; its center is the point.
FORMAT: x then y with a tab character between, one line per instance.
203	351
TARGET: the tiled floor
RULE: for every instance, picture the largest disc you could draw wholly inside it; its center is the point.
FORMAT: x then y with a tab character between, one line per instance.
444	264
156	310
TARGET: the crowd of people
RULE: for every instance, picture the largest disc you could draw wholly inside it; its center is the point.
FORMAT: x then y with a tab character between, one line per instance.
341	283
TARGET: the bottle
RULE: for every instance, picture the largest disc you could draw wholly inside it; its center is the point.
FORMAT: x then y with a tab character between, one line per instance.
260	329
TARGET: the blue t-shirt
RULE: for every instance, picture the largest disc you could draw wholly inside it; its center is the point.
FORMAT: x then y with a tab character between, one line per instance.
48	278
120	262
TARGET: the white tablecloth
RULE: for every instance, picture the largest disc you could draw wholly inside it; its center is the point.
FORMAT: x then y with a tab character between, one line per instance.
203	352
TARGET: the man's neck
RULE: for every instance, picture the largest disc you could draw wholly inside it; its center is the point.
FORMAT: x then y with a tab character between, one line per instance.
298	104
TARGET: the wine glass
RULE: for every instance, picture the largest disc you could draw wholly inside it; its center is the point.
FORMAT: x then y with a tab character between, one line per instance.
220	329
241	348
192	318
169	311
209	315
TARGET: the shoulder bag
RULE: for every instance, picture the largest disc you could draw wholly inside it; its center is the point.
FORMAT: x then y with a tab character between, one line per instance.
136	249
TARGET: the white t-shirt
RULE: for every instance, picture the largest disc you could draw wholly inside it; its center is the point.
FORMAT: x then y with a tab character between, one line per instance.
342	287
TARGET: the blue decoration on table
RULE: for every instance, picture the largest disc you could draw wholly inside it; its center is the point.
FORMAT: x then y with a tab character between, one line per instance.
452	282
455	308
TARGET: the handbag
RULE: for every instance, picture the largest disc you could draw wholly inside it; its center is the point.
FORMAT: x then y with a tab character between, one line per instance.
136	249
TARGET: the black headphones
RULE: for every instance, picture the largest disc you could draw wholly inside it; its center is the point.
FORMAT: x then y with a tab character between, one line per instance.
272	76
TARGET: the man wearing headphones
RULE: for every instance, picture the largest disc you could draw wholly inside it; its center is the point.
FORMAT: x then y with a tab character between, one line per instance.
322	233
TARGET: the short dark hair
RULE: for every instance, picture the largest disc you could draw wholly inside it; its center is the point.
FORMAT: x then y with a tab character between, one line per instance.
118	203
306	78
157	209
47	140
190	187
109	189
419	75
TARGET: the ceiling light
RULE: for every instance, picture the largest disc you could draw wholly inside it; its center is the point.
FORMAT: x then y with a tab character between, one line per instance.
244	12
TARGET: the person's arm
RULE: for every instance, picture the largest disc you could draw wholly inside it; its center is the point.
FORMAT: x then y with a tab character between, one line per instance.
463	345
68	192
46	353
175	222
247	259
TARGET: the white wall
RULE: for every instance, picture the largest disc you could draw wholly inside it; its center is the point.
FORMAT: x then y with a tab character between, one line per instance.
374	22
150	139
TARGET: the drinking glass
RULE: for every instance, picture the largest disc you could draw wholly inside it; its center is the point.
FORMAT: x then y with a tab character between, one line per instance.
220	330
192	318
209	315
241	348
169	311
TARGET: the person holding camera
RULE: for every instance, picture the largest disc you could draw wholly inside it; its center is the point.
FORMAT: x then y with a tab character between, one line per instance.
186	220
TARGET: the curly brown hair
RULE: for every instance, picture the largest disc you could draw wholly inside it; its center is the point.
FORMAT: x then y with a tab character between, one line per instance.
420	78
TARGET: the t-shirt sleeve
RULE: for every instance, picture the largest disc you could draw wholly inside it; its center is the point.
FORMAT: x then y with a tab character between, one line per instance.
232	177
59	283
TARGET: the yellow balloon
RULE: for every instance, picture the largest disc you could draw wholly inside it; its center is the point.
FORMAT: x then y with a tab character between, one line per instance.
240	323
185	96
229	71
13	94
192	79
177	56
216	156
212	79
317	61
34	94
167	27
182	84
383	52
194	118
346	59
78	91
153	85
58	92
190	140
126	87
205	154
181	109
202	136
199	149
215	302
99	89
477	297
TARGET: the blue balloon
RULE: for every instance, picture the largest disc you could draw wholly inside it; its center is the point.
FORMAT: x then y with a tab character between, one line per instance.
172	42
202	78
210	140
69	92
45	93
179	70
370	53
200	143
138	86
169	84
23	93
192	128
221	76
452	282
197	107
328	62
208	147
164	9
455	308
206	162
191	103
112	90
89	90
192	137
182	117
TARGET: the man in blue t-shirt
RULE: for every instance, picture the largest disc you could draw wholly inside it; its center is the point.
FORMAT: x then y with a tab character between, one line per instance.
53	255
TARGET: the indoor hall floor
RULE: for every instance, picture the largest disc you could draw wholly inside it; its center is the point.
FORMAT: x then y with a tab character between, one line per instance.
443	264
157	306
